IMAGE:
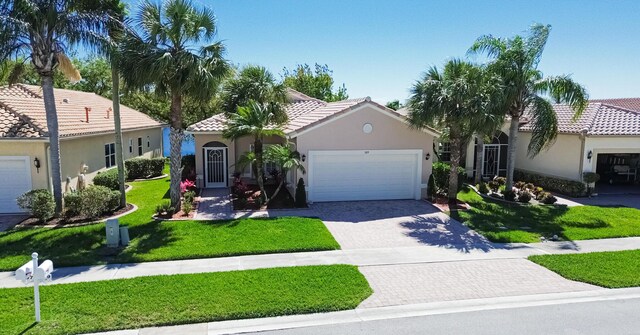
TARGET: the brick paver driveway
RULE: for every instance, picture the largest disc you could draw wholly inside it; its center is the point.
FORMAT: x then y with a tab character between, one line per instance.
397	223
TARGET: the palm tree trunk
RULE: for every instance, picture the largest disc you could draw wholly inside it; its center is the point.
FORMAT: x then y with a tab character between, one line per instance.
511	150
176	135
257	146
454	134
54	140
115	97
479	158
275	192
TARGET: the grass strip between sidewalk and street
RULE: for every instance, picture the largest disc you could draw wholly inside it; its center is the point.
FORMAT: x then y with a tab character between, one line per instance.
614	269
182	299
513	223
153	240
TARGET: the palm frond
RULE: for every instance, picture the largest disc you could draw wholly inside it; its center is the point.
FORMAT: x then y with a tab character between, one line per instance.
492	46
544	126
562	89
67	68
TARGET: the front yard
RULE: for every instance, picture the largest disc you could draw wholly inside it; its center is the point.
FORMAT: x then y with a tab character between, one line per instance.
163	240
503	222
181	299
609	269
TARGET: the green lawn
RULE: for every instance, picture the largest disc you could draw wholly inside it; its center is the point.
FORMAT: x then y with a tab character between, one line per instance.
181	299
163	240
501	222
609	269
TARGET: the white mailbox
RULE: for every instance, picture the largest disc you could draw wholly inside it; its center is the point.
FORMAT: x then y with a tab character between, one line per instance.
25	272
43	272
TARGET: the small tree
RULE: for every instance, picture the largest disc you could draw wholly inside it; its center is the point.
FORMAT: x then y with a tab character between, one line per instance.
287	159
301	194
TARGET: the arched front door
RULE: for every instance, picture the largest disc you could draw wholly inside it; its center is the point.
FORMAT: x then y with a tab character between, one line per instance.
215	165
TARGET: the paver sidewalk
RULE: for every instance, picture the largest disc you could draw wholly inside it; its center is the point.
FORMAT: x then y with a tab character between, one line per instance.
358	257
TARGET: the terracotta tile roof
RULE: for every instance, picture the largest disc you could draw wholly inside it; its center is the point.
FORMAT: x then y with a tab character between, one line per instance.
598	119
27	106
626	103
303	111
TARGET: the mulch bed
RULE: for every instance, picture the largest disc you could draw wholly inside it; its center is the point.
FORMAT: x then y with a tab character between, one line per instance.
282	200
179	215
442	203
74	221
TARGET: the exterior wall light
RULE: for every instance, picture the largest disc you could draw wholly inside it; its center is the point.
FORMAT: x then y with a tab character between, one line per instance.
589	155
427	156
304	157
36	163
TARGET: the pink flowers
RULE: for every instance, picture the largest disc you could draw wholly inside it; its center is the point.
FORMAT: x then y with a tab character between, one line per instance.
186	185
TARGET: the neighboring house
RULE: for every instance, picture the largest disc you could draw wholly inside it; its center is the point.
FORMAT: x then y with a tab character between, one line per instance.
352	150
86	138
605	139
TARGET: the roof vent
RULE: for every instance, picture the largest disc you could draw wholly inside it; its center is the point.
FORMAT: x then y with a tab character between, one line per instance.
108	111
86	112
65	100
367	99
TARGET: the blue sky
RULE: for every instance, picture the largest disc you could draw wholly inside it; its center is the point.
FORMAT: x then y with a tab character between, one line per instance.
379	48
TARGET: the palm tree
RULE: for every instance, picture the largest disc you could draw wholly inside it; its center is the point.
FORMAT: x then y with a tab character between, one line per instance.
287	159
175	54
516	60
455	99
258	121
255	83
42	31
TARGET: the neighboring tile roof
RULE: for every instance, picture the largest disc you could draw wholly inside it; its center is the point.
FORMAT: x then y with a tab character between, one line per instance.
626	103
22	113
303	112
598	119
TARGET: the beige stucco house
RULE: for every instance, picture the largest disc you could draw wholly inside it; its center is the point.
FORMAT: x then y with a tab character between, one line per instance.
86	138
354	149
605	139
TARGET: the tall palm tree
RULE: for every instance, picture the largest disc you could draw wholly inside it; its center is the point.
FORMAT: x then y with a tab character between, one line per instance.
454	98
42	31
175	54
516	60
255	83
286	159
258	121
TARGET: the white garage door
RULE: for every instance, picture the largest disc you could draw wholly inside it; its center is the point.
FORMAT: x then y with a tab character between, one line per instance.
364	175
15	179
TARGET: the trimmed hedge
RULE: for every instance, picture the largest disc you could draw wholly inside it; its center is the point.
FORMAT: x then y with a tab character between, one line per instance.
568	187
108	179
441	173
142	168
39	203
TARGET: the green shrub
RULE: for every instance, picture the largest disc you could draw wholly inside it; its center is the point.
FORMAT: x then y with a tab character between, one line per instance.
524	196
97	200
39	203
431	188
164	208
571	188
187	207
72	204
189	196
538	192
590	178
548	198
441	172
142	168
301	194
500	180
509	195
519	184
113	202
483	188
494	185
108	179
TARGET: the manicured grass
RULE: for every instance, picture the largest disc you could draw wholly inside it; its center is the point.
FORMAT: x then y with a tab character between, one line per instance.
609	269
163	240
502	222
179	299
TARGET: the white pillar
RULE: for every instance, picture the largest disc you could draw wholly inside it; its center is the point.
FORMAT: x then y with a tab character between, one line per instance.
36	289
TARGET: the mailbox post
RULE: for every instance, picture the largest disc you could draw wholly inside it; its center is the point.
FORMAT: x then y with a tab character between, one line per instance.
31	272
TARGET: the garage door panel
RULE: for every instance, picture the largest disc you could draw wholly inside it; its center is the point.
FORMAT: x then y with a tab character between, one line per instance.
363	175
15	179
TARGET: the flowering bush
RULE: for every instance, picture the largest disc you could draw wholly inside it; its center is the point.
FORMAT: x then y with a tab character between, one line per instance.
187	185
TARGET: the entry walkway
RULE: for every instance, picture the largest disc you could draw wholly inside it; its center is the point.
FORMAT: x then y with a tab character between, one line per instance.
358	257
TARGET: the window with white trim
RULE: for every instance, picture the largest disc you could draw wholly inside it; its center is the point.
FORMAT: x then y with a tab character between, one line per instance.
109	155
148	142
130	145
140	146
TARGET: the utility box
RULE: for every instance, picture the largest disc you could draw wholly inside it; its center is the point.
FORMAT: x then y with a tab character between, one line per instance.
113	233
124	235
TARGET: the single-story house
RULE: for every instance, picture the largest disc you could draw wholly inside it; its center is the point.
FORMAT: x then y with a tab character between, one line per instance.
354	149
86	128
605	139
